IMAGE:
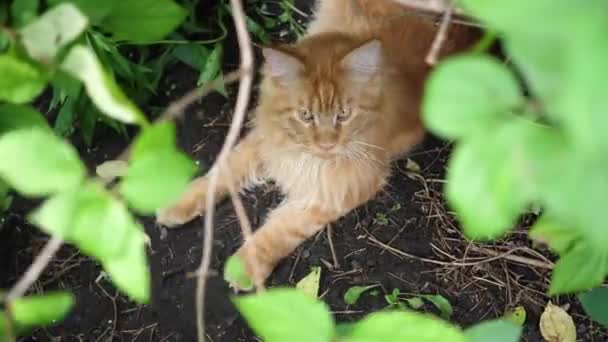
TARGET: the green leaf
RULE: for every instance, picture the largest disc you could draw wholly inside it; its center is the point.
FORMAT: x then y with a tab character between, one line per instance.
20	82
55	29
550	231
103	228
130	271
24	11
14	117
82	64
310	283
415	302
160	136
88	217
48	309
398	326
581	268
516	316
353	294
235	274
143	20
468	94
37	163
213	65
194	55
441	303
65	118
499	330
96	11
484	186
155	149
595	303
142	188
277	315
88	121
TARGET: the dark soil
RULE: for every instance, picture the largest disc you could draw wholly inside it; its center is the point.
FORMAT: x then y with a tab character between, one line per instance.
409	217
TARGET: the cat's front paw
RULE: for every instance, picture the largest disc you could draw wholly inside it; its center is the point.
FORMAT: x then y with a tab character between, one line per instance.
244	269
183	212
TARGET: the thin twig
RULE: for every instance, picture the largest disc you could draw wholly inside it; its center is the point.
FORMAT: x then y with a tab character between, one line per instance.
33	272
331	246
242	101
437	6
178	107
442	34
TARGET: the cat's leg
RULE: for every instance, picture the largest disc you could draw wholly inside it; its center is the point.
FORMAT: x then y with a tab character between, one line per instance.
292	223
285	229
243	165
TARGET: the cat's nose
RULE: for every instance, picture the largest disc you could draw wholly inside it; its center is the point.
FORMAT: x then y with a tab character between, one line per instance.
327	145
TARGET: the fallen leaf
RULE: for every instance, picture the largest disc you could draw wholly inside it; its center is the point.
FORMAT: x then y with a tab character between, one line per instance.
310	283
415	302
516	316
354	292
111	169
556	325
412	166
441	303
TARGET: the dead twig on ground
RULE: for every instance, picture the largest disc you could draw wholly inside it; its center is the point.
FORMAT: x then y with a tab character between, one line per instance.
242	101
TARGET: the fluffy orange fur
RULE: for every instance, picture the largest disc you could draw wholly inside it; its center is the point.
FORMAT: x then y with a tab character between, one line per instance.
335	110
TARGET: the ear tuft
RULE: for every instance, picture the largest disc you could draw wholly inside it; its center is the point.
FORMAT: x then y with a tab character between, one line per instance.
281	66
365	61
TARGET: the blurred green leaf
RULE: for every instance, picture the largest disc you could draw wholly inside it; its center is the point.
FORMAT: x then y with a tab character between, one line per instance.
155	150
595	303
95	10
24	11
36	163
14	117
142	188
398	326
277	315
82	64
143	20
20	82
160	136
499	330
56	28
37	311
101	227
87	117
88	217
467	94
130	271
212	66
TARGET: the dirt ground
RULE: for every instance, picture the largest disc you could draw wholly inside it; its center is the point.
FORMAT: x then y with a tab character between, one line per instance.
406	238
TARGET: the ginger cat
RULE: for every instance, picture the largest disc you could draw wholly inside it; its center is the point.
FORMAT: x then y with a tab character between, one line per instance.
335	110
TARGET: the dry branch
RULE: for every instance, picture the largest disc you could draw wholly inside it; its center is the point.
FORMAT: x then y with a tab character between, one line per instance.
242	101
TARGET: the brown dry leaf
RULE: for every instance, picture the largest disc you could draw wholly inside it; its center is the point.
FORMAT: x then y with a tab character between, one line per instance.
556	325
111	169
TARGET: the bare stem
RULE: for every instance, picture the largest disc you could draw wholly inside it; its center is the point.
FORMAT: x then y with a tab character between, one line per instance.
33	272
242	101
441	36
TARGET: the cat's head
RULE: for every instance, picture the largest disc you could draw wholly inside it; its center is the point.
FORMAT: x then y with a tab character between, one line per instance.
323	94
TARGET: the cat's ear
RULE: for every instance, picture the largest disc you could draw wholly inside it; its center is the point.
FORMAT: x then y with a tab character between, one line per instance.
364	62
281	66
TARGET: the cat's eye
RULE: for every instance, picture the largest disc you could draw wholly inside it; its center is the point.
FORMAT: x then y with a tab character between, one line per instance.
343	115
305	115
